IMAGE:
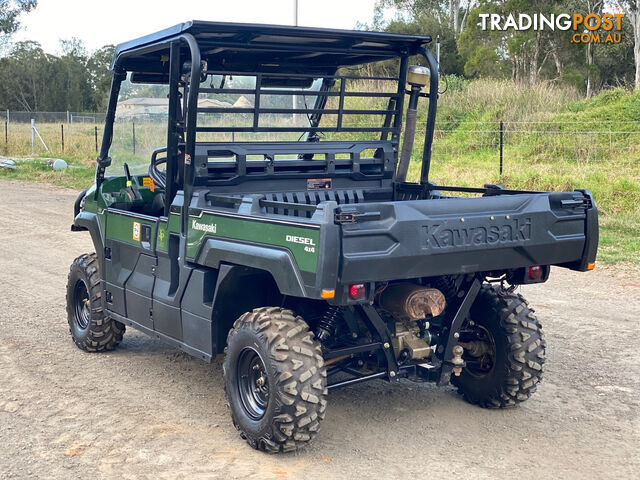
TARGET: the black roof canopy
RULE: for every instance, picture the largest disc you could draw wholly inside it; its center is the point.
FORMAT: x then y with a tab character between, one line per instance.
241	47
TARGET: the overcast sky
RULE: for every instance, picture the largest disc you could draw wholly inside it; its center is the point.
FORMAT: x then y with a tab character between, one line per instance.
99	23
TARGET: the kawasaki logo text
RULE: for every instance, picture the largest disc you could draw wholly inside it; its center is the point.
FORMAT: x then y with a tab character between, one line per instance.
204	227
447	236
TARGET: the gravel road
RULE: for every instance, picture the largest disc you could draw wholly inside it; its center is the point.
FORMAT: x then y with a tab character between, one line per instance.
146	410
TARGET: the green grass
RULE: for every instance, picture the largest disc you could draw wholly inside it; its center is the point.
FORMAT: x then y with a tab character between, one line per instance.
576	143
35	171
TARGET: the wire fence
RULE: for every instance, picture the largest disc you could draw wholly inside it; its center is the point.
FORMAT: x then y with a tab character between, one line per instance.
506	146
67	118
563	140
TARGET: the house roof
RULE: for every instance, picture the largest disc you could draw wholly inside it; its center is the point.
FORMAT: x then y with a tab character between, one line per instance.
164	102
267	48
145	101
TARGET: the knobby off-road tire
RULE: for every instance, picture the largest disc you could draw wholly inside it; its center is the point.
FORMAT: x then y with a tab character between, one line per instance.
90	329
286	407
519	348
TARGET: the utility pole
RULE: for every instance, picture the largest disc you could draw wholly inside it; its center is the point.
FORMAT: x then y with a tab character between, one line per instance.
295	12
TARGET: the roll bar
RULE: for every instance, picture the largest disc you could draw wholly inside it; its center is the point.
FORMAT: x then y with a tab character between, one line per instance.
434	83
119	74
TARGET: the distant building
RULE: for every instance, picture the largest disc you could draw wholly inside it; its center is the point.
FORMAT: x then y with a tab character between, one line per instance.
142	102
211	102
144	106
243	102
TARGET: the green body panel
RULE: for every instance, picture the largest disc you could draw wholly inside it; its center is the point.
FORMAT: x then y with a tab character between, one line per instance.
165	227
90	204
120	227
302	242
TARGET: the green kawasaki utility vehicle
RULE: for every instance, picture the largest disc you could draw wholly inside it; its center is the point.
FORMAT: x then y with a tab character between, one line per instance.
272	223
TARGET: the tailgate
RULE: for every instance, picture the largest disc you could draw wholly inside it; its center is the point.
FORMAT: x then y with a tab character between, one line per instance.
418	238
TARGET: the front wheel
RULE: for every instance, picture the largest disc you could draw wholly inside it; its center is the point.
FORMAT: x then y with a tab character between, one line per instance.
91	329
504	351
275	380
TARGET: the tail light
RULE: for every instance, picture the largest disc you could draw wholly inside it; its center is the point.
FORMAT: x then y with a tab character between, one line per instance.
535	273
532	274
357	291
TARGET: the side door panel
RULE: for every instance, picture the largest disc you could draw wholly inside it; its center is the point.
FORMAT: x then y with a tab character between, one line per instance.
172	276
138	290
130	264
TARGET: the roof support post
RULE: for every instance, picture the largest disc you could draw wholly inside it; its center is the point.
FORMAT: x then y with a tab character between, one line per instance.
191	119
103	159
431	114
399	107
172	128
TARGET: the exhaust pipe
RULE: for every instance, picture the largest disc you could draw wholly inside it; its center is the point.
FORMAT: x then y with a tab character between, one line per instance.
417	77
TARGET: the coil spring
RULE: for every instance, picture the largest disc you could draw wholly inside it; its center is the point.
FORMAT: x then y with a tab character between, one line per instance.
447	285
327	322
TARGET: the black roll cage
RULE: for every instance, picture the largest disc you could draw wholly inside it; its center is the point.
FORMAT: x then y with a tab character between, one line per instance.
173	40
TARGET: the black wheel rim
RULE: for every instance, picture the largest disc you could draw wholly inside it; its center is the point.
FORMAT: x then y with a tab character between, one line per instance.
482	365
253	384
82	304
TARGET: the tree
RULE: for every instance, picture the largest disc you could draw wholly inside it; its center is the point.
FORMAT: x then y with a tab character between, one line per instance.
99	75
632	11
452	13
23	77
527	52
32	80
10	10
450	60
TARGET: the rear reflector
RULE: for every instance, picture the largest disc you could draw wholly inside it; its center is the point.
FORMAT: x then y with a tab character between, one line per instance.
326	293
357	291
591	266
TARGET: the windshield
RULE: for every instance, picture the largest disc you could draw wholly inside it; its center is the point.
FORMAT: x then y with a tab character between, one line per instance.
140	126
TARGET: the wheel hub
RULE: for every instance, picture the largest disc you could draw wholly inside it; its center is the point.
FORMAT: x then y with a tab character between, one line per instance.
480	350
253	384
82	304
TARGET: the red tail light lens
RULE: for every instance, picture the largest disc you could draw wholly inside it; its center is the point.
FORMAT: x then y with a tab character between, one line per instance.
535	272
357	291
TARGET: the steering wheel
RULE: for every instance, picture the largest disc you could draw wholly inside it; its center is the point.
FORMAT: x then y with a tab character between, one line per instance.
159	177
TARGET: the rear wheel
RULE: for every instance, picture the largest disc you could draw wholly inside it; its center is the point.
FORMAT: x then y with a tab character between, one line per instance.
90	329
504	351
275	380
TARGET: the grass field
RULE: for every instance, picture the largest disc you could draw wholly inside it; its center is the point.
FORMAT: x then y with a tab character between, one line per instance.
553	140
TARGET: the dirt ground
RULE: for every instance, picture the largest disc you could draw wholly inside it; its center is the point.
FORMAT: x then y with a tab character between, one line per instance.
146	410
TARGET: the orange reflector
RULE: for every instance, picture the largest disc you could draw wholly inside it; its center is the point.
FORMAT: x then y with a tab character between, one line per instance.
591	266
328	293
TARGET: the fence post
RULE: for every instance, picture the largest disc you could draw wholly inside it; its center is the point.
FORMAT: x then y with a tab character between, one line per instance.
62	135
610	144
501	144
68	118
95	134
6	132
133	127
33	136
